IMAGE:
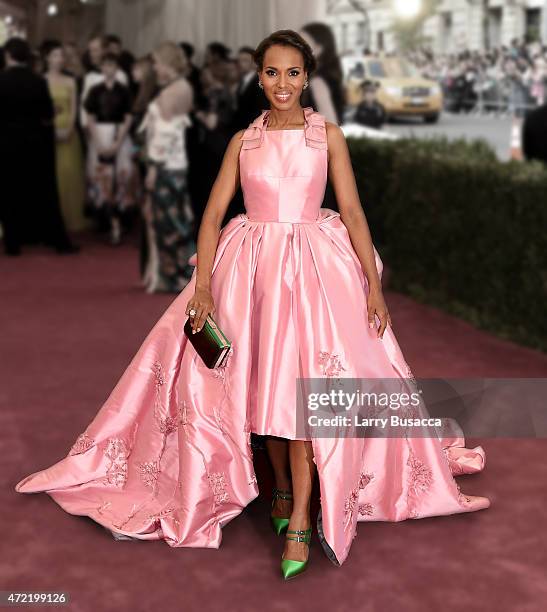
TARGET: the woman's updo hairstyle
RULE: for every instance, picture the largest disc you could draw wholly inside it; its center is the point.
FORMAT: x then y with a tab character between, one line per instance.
48	46
170	54
287	38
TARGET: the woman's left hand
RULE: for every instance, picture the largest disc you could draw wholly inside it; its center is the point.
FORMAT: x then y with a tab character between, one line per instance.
376	306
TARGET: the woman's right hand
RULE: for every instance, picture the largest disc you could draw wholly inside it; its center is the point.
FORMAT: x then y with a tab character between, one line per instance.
202	302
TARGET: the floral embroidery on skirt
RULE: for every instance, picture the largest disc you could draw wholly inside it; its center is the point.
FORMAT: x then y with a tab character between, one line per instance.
218	484
82	444
117	451
331	363
420	480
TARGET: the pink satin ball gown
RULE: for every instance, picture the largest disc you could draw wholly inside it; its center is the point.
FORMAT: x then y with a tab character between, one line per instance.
168	456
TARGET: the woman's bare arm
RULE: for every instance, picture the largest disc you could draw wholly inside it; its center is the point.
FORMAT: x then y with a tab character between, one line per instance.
351	212
222	192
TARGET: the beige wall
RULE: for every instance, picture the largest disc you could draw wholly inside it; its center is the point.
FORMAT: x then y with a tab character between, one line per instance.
144	23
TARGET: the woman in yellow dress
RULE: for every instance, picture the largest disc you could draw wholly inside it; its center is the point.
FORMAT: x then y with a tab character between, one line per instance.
69	158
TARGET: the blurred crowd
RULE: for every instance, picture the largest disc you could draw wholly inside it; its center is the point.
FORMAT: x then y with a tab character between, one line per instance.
505	80
98	139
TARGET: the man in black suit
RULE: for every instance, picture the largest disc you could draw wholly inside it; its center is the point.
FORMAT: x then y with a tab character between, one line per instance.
250	98
193	75
126	59
250	102
534	134
29	206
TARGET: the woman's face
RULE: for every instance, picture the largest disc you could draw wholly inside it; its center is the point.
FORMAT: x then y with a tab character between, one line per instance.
283	76
56	60
164	73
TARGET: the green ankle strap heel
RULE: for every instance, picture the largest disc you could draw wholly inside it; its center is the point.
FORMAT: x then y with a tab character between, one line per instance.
279	524
290	567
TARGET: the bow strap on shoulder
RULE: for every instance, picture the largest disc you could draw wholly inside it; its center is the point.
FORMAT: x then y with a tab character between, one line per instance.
314	130
252	137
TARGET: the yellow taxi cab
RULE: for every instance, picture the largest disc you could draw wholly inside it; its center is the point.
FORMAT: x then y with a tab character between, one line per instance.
401	88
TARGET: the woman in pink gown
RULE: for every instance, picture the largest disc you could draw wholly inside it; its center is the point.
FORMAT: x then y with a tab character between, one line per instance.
169	455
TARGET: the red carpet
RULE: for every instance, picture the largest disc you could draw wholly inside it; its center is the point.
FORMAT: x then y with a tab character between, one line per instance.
70	326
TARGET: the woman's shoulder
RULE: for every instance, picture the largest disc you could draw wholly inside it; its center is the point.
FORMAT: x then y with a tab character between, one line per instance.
336	139
172	101
235	144
178	91
180	85
236	138
333	130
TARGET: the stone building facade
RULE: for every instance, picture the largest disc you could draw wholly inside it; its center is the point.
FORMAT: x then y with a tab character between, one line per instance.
455	25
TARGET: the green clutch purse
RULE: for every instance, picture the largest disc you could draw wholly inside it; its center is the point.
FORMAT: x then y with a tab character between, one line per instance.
210	342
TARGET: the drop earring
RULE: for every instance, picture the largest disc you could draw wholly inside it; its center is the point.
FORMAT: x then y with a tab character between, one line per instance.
260	85
305	84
